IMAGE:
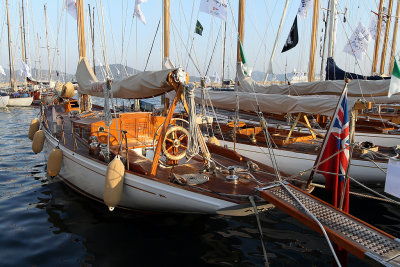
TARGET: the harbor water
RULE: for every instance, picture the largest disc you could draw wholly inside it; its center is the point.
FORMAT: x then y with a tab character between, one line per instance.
45	223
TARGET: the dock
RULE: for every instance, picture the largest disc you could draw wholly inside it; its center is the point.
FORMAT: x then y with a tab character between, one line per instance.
357	237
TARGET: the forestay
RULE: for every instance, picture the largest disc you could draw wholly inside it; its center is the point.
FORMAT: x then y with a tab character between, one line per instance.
142	85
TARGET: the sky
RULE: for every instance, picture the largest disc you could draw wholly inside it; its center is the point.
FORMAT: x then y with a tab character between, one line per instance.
128	41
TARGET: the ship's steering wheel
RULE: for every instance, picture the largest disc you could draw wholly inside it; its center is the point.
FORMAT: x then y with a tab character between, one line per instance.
174	145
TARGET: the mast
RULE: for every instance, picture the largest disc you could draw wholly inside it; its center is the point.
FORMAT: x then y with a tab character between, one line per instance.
81	28
378	36
166	3
23	27
91	21
394	38
22	34
242	4
269	71
385	41
166	29
332	19
322	71
48	47
10	51
313	41
223	56
22	41
40	61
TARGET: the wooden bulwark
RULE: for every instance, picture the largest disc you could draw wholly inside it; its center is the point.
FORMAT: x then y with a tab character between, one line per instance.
350	233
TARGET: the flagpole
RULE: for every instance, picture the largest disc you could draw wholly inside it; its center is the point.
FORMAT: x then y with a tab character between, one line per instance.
377	37
394	38
385	41
318	159
346	179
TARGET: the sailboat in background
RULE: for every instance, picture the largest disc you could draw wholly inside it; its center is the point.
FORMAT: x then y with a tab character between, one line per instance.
18	97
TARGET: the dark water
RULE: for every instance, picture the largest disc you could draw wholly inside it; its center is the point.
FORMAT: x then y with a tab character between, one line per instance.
44	223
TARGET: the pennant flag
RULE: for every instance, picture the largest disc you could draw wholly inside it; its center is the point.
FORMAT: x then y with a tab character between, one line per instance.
337	139
293	37
357	45
216	8
303	9
199	28
70	6
138	12
2	72
395	80
25	69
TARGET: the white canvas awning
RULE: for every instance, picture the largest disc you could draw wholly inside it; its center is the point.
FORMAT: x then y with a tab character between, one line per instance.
272	103
142	85
356	88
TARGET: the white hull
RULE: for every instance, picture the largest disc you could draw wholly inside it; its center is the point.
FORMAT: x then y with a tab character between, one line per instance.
20	102
87	176
293	163
388	140
4	101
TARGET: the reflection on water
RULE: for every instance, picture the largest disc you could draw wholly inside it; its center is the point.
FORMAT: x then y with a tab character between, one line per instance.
45	223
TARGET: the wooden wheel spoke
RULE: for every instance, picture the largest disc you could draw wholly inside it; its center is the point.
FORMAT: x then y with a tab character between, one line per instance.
169	140
181	137
181	145
169	148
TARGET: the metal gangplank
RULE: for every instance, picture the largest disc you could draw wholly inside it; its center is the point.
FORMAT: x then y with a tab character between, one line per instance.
359	238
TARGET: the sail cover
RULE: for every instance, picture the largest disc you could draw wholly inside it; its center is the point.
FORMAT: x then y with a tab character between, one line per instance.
272	103
142	85
356	88
333	72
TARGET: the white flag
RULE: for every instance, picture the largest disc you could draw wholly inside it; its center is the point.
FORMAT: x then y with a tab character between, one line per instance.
70	6
138	12
303	8
373	23
358	42
218	8
216	78
25	69
208	80
2	71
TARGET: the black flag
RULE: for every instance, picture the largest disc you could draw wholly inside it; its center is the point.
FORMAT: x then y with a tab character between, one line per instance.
199	28
293	37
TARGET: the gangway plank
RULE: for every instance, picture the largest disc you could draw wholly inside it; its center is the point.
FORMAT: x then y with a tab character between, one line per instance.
359	238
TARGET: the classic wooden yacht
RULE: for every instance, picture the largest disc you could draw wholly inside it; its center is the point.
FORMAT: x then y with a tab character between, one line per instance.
157	176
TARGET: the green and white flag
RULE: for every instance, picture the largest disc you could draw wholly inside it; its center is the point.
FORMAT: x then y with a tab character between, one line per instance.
395	80
246	69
